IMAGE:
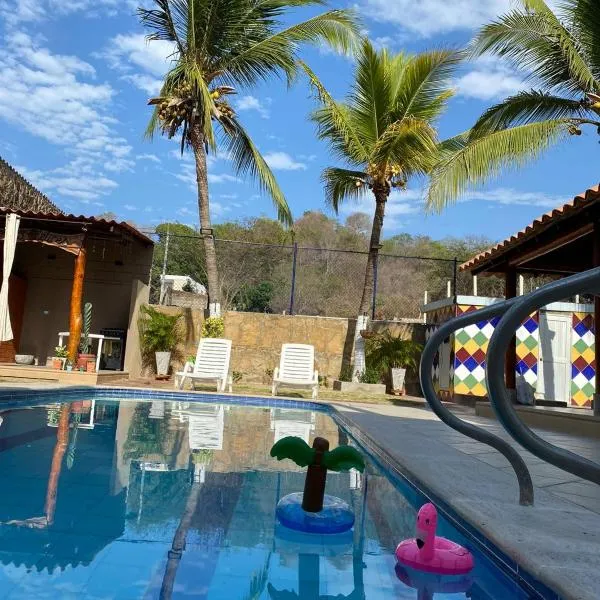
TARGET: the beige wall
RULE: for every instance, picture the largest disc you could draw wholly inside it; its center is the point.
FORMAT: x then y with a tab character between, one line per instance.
257	339
49	280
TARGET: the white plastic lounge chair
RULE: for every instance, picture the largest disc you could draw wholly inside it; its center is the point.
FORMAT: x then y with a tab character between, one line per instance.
296	369
212	365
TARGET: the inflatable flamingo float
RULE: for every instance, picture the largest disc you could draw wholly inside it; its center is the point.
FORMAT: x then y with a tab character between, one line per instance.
428	552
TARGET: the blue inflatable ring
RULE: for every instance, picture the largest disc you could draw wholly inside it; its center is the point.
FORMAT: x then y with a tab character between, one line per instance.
336	516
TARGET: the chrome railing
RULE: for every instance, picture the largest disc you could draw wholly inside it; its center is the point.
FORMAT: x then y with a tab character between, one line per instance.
468	429
582	283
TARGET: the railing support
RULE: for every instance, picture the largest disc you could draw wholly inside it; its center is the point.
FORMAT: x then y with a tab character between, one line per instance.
472	431
587	282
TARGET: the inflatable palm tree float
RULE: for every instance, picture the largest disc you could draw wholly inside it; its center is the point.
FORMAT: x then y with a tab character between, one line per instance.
336	516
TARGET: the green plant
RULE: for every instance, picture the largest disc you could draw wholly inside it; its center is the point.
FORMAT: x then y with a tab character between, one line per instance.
386	351
560	54
159	332
216	47
323	381
370	375
61	352
86	341
236	376
213	327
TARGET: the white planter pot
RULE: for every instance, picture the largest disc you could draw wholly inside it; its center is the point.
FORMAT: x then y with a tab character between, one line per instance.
397	377
163	360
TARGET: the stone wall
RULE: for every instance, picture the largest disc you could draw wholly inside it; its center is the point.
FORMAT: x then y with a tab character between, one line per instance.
257	339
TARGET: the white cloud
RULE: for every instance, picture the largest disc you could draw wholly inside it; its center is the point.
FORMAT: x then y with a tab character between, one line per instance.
20	11
188	176
222	178
150	157
489	79
47	95
430	17
511	197
130	207
143	62
399	207
252	103
281	161
228	196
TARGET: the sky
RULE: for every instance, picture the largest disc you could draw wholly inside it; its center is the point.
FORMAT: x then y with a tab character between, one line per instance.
75	77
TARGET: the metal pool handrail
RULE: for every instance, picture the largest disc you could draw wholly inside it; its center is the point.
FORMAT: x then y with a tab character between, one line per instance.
472	431
587	282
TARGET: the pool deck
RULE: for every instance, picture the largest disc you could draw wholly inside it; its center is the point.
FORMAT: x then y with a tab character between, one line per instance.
557	540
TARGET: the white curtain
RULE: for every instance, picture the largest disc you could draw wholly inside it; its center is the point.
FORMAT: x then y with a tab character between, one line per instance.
10	243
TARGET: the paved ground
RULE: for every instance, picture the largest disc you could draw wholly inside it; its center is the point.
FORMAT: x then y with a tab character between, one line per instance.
557	540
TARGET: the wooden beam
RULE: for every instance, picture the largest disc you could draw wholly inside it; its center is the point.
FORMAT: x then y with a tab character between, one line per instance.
75	318
510	363
551	246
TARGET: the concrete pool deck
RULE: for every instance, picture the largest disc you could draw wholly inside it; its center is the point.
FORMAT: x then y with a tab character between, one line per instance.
557	540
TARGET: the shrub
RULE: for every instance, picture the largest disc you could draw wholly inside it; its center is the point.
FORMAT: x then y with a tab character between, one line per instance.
159	332
213	327
385	351
370	375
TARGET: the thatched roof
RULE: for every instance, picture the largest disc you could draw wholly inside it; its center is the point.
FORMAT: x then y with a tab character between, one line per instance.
18	194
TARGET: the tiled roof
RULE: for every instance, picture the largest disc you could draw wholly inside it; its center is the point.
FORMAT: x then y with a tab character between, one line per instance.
567	210
62	218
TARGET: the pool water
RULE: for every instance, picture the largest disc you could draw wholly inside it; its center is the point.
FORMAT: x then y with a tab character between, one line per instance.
107	499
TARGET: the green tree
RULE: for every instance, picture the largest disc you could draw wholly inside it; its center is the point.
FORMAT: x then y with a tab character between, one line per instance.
385	134
561	54
217	46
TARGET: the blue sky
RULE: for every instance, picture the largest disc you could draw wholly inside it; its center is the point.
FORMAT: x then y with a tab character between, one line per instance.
75	76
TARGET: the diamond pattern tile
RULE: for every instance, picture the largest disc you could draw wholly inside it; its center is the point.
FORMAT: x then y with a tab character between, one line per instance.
583	359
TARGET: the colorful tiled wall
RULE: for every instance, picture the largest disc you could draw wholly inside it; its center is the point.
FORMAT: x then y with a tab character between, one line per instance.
470	348
583	360
434	320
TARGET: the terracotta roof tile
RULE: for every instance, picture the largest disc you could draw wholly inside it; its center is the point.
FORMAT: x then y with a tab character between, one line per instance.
566	210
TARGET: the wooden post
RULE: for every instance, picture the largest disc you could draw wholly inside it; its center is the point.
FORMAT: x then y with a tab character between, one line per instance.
510	291
596	257
75	319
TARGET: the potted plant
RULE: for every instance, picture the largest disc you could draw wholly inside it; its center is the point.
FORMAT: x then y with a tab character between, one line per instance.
160	336
60	356
85	358
392	356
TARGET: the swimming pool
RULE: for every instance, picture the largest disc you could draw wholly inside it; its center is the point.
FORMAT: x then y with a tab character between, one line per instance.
107	498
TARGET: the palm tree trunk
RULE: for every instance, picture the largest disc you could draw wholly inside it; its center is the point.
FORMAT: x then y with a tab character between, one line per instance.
212	273
62	440
381	195
178	546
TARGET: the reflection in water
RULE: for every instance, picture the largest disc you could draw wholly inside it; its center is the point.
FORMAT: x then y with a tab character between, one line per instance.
177	500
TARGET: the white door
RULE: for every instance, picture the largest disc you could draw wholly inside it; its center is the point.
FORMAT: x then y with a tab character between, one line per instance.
554	370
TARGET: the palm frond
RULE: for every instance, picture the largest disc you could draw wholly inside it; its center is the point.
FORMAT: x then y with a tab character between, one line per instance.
422	87
527	107
411	144
168	21
585	20
343	458
247	159
483	158
371	98
295	449
278	52
342	184
335	124
539	46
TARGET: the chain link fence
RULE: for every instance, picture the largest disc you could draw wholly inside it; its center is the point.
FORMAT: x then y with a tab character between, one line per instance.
294	279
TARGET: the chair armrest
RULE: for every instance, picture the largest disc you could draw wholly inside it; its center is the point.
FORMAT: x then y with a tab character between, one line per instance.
316	379
276	373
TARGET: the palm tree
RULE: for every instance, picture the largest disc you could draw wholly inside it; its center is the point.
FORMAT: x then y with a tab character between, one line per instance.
385	133
561	56
218	45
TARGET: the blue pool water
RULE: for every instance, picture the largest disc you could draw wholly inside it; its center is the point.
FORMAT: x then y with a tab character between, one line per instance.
133	499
